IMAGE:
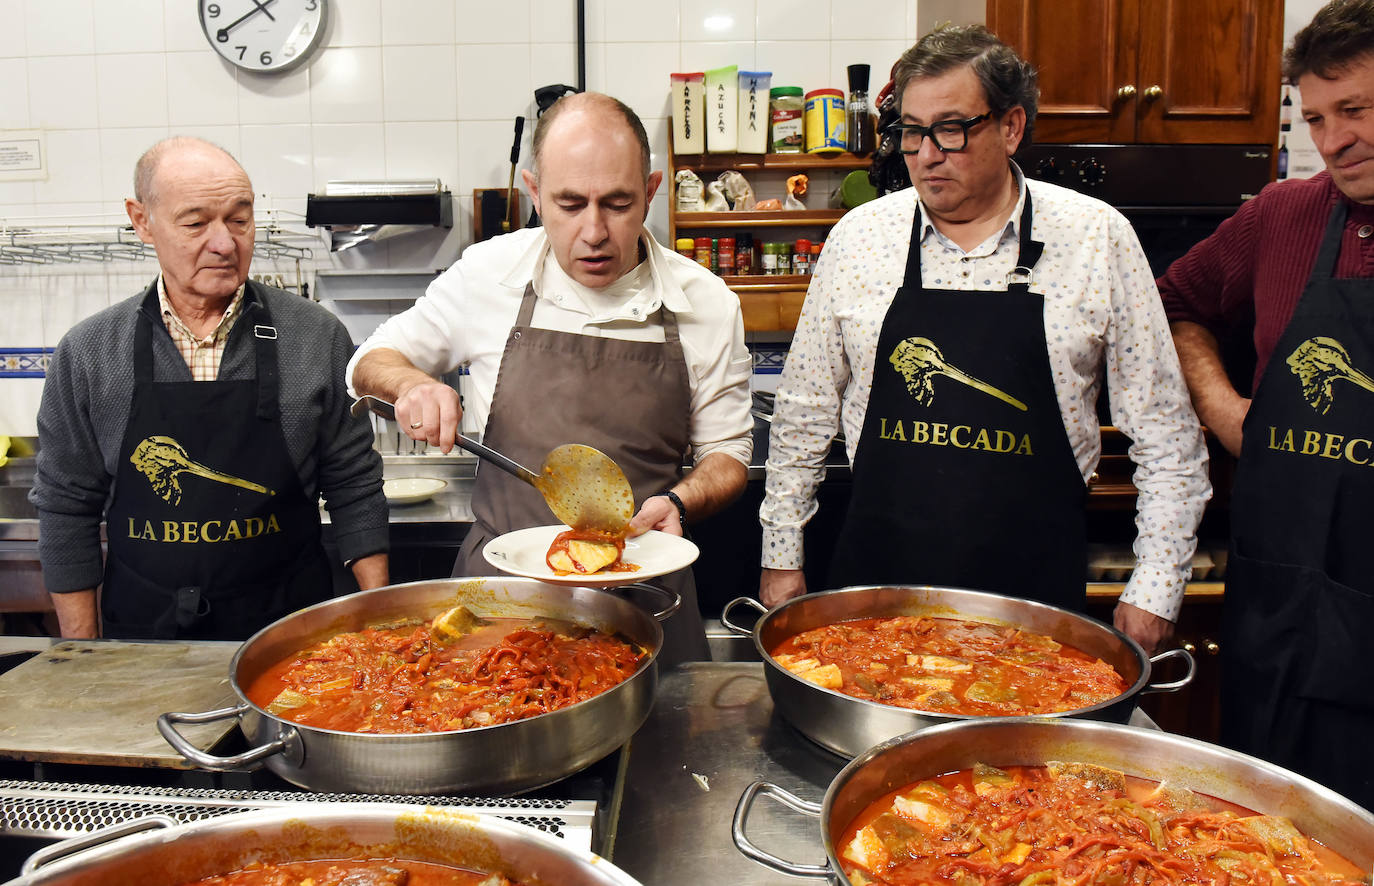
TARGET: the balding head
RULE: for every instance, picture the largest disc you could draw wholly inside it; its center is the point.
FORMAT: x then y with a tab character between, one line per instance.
145	170
611	115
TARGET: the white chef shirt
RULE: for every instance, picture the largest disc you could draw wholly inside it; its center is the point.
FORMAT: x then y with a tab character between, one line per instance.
1100	303
466	313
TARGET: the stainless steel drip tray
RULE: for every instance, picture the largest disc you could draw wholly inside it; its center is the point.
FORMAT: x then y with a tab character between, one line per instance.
60	810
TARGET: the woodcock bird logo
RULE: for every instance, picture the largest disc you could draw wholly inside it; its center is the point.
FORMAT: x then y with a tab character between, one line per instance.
163	460
1319	363
919	361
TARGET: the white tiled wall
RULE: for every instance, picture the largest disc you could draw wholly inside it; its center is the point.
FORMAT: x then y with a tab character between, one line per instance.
401	89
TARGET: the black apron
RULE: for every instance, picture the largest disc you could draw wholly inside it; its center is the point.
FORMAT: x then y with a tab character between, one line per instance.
211	536
1297	676
963	474
630	399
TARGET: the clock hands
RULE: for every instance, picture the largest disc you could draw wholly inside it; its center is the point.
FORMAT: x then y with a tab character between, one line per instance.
223	34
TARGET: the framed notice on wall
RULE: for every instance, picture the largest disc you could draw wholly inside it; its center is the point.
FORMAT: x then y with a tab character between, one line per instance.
23	155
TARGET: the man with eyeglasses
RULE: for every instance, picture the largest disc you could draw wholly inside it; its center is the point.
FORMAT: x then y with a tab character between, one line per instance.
958	333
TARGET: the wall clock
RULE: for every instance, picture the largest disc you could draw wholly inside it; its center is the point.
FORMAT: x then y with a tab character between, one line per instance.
264	36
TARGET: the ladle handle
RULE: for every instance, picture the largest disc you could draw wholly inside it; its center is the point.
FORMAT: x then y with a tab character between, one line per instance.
388	411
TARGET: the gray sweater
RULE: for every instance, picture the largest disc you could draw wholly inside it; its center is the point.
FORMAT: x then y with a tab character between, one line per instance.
85	407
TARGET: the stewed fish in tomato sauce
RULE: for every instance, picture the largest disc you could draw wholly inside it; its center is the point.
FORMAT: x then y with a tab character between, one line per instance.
455	672
949	666
1073	823
354	872
586	552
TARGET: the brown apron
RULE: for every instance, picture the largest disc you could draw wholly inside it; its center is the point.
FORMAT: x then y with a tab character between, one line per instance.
630	399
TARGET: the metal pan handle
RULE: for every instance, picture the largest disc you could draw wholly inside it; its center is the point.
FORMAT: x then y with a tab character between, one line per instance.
742	601
1176	684
673	598
68	848
767	859
249	759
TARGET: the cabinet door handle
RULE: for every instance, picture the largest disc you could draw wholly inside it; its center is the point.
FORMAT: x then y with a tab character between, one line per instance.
1212	646
1125	92
1190	647
1153	92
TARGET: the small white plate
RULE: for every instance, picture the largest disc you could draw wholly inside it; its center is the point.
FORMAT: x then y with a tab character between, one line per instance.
522	553
411	490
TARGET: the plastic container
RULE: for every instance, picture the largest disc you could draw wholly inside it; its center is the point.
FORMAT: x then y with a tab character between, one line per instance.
786	107
825	121
686	246
752	132
722	110
689	112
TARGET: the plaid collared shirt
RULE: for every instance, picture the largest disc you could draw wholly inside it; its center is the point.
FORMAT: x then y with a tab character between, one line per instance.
202	355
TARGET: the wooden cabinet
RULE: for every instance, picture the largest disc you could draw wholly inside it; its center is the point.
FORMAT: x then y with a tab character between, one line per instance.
1152	71
769	302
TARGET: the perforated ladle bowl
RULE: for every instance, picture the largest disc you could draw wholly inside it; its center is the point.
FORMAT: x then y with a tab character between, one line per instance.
582	485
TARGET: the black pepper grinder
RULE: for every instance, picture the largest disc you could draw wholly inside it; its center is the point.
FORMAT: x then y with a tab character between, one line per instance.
859	116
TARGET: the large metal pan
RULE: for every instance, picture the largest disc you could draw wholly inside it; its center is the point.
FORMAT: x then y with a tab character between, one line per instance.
158	852
505	758
1263	787
847	725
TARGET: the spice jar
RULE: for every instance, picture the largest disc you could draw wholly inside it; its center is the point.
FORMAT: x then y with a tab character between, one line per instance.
744	255
725	261
784	251
801	257
703	251
770	258
686	246
824	121
785	108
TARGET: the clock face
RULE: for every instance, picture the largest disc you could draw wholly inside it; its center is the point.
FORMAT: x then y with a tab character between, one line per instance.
266	36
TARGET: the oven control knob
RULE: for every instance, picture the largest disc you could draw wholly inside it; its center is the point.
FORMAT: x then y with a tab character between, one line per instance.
1047	170
1091	172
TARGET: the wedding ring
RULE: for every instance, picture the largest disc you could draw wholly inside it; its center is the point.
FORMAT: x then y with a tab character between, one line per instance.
416	425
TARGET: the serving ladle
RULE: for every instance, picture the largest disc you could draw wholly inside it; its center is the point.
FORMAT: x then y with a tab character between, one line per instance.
582	485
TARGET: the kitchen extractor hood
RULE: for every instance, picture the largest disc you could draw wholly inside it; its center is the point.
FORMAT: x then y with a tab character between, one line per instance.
348	204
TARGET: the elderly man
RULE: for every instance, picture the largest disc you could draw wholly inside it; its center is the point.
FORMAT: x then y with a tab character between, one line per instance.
587	331
957	332
214	411
1295	269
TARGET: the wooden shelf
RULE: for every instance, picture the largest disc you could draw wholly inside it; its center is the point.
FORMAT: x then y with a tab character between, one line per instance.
767	282
776	218
781	162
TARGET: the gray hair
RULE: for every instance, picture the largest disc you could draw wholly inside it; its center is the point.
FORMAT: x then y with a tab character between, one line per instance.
1340	33
145	170
590	101
1007	80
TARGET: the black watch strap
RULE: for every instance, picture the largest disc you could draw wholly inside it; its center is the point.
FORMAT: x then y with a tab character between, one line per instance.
677	502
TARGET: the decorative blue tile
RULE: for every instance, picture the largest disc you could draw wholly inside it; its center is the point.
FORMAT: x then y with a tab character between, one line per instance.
24	362
768	359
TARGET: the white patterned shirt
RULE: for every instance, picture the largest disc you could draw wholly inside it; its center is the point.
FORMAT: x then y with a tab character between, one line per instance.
1100	305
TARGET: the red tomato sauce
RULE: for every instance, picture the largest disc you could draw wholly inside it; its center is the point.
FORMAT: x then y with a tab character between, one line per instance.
354	872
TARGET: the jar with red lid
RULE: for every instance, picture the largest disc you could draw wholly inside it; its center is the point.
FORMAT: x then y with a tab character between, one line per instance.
703	251
725	256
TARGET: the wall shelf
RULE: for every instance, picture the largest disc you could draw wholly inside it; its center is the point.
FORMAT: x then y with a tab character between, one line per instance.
780	162
776	218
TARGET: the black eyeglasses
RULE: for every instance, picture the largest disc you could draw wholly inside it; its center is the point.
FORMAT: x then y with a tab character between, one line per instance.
950	136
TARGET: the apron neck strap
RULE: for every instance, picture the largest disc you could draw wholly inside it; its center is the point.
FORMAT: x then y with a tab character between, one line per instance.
1027	255
526	314
1325	266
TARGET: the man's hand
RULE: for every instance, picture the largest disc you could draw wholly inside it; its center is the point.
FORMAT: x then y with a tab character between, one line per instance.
1146	628
1219	406
659	513
429	412
777	586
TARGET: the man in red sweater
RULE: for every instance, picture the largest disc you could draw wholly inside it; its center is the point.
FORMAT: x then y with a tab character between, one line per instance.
1297	674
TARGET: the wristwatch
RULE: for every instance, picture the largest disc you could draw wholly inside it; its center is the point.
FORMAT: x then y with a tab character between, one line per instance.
677	502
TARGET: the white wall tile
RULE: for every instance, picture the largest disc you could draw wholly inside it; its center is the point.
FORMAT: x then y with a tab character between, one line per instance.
71	212
62	92
596	18
14	97
879	55
23	326
637	74
132	89
16	200
347	151
355	23
552	63
278	159
793	19
493	81
273	98
346	86
13	40
630	21
420	82
201	91
554	21
181	27
129	26
483	162
119	151
418	21
227	137
59	27
72	176
867	19
716	21
706	56
423	150
796	63
71	299
504	21
19	399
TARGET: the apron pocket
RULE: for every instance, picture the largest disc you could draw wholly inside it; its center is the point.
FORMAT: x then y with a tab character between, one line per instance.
1338	628
132	607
